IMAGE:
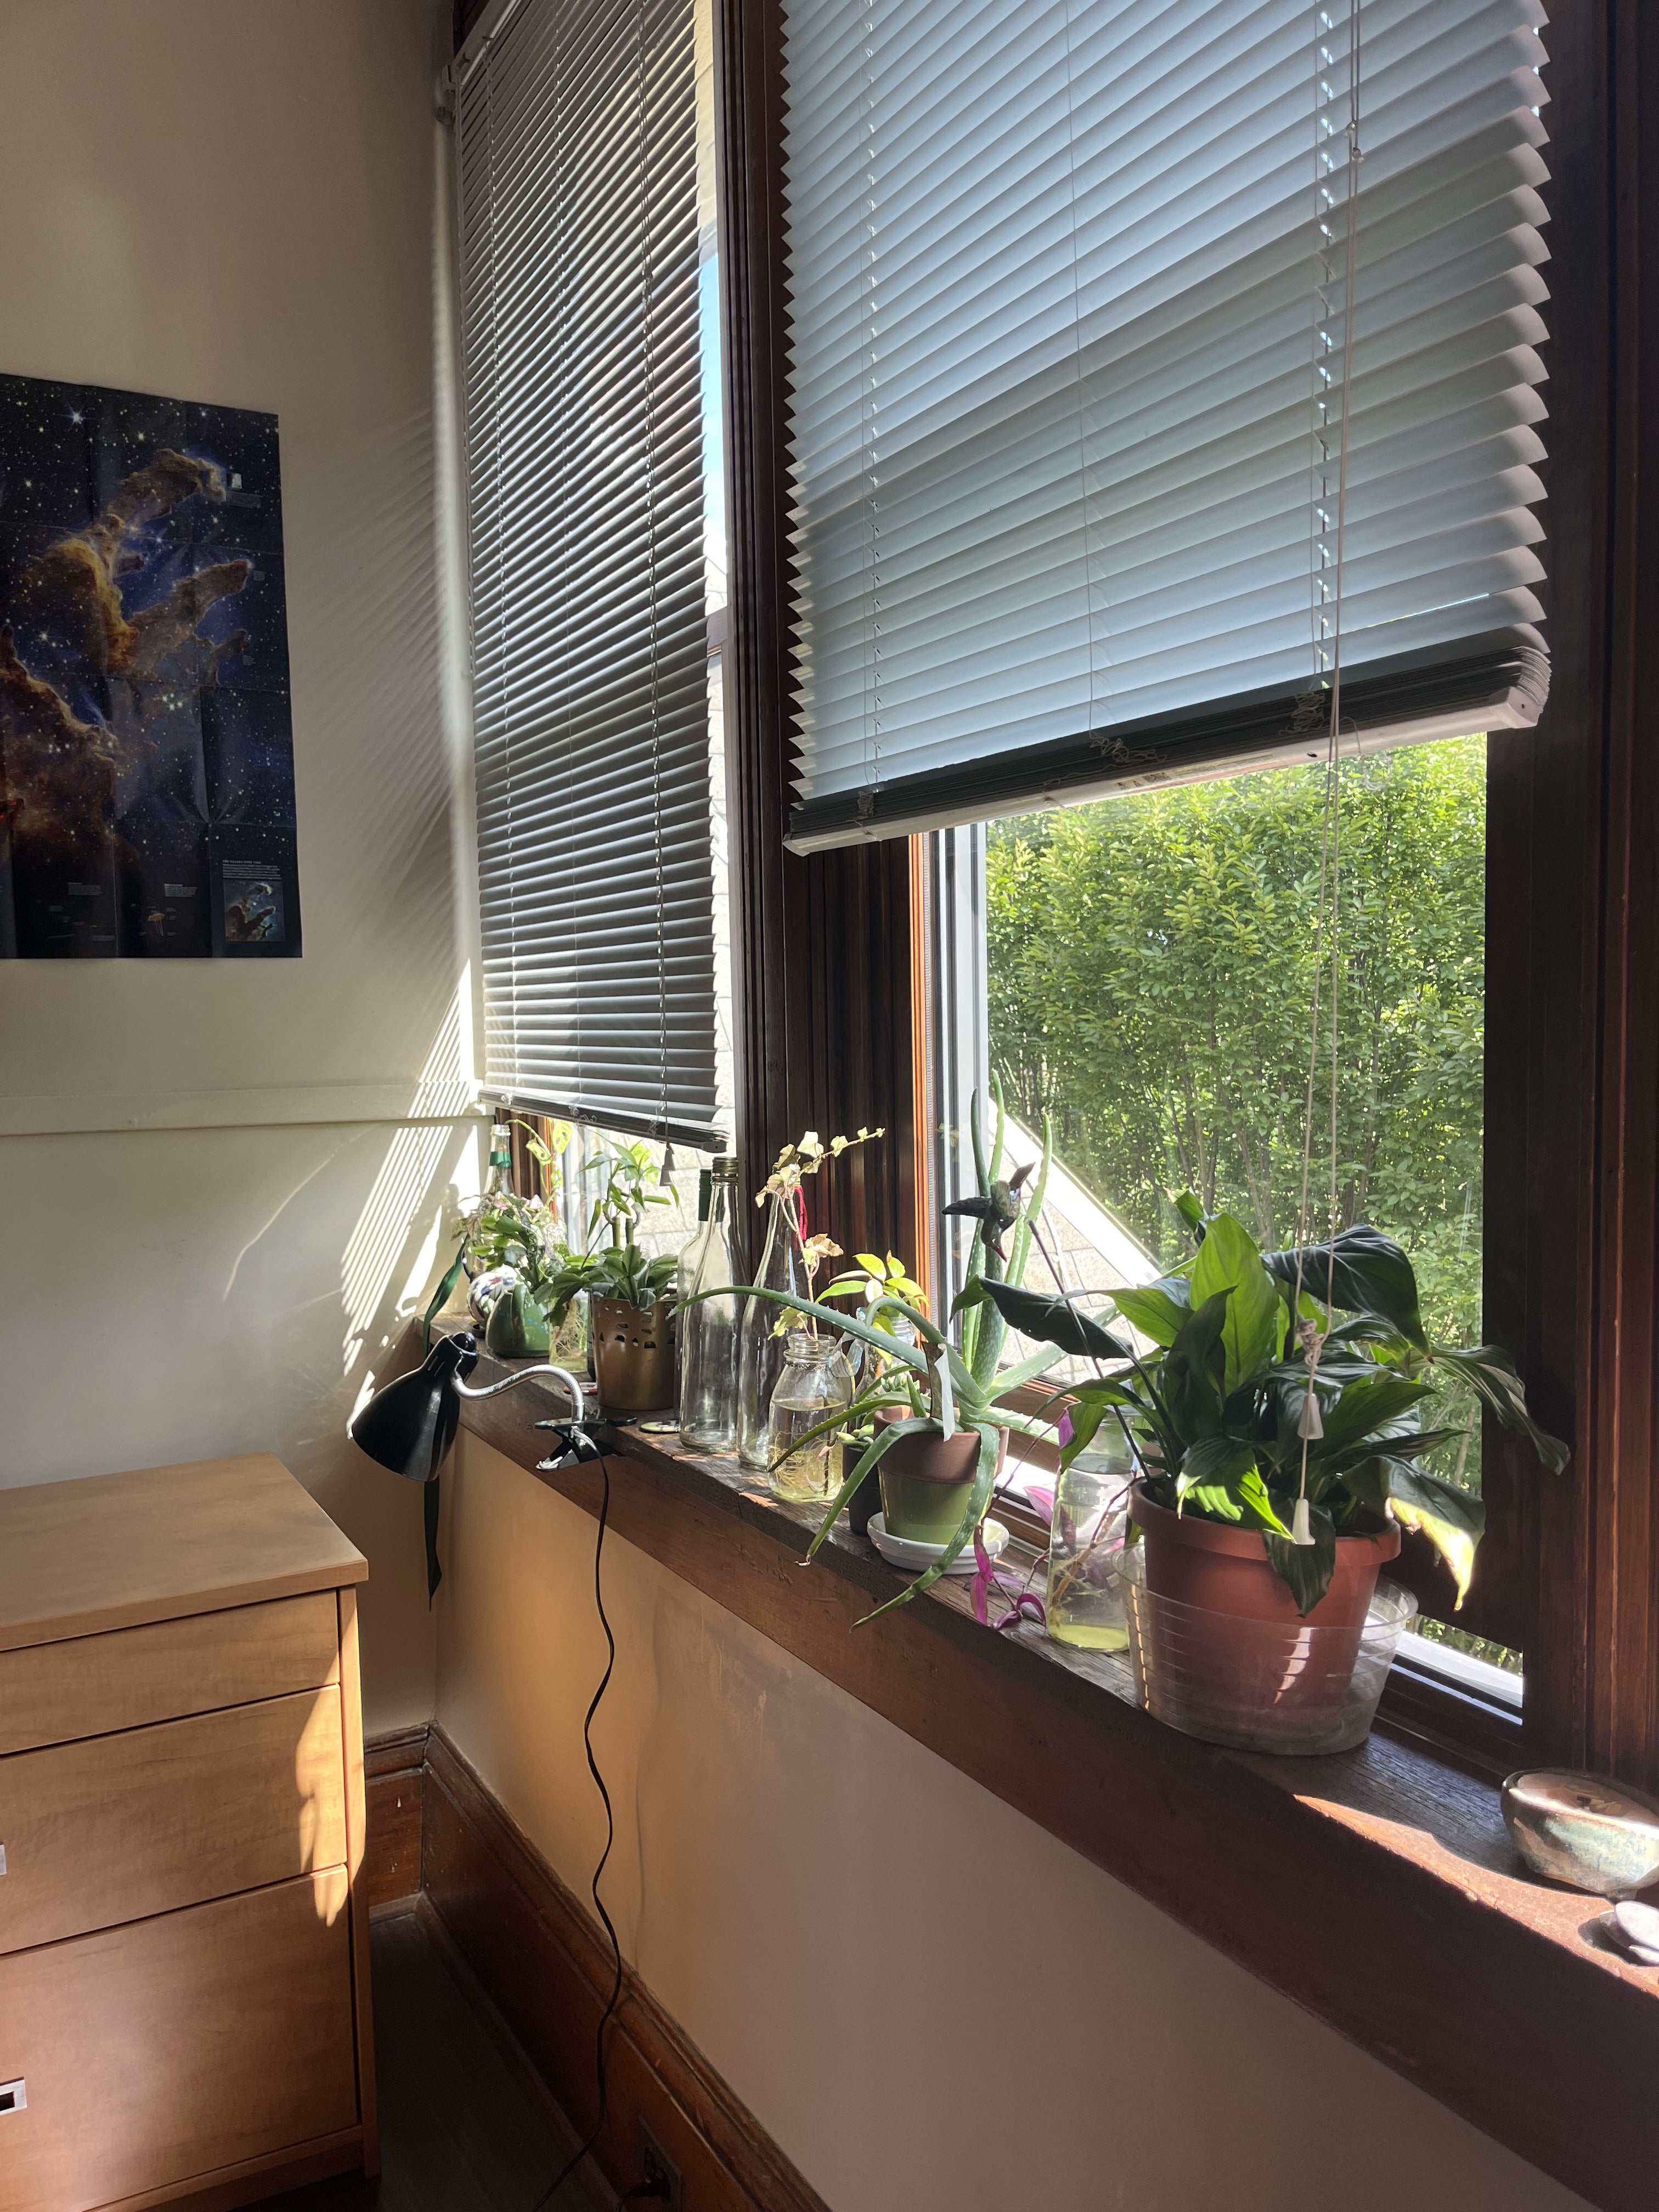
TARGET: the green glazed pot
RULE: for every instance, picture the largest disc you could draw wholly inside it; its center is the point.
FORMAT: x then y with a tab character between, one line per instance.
516	1327
926	1483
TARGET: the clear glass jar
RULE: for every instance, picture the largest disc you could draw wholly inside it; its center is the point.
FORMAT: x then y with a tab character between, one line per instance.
708	1331
759	1351
814	1385
1085	1602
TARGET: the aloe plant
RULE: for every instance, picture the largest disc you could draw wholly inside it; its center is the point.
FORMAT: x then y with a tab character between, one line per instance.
1240	1339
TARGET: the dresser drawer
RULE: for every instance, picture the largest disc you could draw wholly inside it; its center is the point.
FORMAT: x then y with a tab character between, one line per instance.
119	1827
92	1684
153	2054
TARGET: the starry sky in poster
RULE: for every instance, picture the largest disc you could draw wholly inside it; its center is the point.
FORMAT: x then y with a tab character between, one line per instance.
146	753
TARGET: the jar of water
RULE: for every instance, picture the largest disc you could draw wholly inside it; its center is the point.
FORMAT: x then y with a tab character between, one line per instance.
814	1384
1086	1602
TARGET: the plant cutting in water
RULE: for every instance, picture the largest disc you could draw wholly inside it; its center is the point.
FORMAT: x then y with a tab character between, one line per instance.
617	1269
1242	1405
501	1229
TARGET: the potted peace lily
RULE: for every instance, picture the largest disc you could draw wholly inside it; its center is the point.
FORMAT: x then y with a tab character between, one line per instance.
1278	1420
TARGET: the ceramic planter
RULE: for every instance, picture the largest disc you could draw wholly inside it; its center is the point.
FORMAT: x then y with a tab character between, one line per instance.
925	1483
517	1327
1220	1579
635	1364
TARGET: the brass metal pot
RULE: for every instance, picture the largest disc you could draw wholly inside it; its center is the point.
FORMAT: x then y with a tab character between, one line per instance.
634	1355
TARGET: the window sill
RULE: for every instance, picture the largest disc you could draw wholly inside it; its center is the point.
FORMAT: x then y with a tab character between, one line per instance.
1378	1888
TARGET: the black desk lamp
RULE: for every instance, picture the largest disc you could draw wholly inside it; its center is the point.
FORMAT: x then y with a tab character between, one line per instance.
409	1426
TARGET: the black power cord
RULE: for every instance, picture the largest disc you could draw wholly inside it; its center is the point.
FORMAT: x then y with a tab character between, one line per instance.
582	1446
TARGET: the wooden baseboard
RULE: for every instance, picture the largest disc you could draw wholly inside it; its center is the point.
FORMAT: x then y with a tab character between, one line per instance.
393	1769
548	1969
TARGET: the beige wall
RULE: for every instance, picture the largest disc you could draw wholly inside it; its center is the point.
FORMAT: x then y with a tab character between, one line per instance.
234	201
805	1888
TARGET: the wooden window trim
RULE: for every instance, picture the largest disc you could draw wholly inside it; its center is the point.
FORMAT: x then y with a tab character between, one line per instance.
1378	1888
832	949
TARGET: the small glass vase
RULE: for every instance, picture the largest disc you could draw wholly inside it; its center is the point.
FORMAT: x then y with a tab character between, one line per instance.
708	1331
1086	1602
761	1351
815	1384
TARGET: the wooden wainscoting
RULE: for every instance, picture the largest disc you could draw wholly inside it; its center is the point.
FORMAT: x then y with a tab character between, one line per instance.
535	1953
394	1768
547	1967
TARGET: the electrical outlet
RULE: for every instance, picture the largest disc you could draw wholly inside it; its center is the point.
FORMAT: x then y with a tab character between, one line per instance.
655	2165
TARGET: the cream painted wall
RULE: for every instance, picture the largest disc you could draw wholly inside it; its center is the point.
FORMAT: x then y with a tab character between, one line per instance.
235	201
905	2054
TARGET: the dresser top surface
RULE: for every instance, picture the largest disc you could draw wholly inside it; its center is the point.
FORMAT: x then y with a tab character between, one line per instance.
114	1551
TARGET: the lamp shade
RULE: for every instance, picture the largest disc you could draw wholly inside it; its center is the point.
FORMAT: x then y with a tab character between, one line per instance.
410	1424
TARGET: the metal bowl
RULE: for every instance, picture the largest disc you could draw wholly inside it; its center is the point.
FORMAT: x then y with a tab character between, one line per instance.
1585	1830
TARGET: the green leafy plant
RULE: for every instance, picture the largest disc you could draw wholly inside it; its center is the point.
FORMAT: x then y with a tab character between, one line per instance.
873	1279
615	1271
630	1180
502	1229
1239	1340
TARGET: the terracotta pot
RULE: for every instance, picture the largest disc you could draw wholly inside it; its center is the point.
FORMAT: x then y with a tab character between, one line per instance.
1222	1574
635	1364
926	1481
1225	1569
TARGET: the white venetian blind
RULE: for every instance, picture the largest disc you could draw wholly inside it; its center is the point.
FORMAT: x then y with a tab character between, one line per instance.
578	157
1069	333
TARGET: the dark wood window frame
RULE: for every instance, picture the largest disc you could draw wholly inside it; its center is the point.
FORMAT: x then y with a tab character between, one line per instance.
832	953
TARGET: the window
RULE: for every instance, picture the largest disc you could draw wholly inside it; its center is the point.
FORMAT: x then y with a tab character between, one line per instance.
596	515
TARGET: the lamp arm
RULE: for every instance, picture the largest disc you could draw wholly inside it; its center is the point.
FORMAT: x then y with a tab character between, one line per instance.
522	1375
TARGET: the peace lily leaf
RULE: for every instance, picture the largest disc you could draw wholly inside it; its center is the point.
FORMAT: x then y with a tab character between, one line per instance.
1191	1210
1306	1568
1453	1521
1228	1260
1051	1320
1193	1367
1215	1460
1153	1312
1362	1272
1491	1374
1366	1406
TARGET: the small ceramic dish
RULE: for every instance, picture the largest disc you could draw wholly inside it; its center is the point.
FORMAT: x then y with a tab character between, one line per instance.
905	1552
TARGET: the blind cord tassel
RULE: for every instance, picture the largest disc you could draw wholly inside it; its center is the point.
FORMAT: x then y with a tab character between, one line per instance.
1301	1530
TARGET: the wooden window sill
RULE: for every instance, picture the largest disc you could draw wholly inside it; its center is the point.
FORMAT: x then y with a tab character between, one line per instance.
1377	1888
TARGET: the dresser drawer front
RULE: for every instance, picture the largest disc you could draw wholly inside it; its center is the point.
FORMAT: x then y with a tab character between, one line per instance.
119	1826
93	1685
153	2054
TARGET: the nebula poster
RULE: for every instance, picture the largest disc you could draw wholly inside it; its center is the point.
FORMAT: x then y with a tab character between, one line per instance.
146	746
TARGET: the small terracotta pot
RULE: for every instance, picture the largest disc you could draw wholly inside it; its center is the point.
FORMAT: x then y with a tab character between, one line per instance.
926	1481
635	1364
1223	1572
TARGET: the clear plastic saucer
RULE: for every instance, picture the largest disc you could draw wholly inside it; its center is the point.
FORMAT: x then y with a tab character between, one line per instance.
1260	1685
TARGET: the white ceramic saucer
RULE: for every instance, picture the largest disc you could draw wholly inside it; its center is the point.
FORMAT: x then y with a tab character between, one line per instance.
905	1552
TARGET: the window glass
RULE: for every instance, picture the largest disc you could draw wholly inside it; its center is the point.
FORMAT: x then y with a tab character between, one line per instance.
1148	971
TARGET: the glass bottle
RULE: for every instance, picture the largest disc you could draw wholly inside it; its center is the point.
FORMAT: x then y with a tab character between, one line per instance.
708	1331
814	1384
500	1177
760	1352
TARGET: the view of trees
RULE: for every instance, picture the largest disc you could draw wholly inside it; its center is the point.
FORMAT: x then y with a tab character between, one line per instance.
1151	978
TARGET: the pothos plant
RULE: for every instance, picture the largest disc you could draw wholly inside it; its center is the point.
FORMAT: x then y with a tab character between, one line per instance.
631	1181
1218	1409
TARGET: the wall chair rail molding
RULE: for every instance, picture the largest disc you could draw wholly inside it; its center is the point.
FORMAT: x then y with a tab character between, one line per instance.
1562	2071
84	1113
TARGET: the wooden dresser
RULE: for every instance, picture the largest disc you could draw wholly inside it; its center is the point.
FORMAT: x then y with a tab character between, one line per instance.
183	1963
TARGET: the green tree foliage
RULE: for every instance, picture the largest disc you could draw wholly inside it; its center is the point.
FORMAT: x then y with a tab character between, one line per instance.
1151	964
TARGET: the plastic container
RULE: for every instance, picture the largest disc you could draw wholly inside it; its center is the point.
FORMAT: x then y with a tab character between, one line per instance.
1288	1688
